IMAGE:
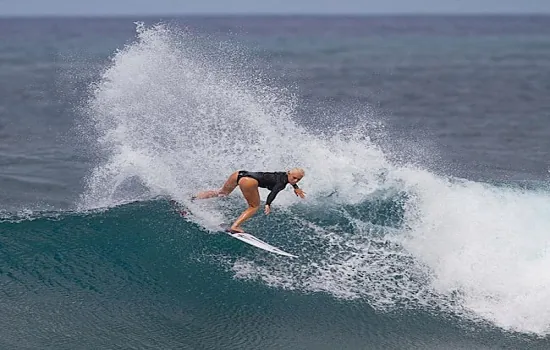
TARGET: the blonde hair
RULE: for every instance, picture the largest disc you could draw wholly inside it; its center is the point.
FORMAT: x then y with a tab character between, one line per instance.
298	170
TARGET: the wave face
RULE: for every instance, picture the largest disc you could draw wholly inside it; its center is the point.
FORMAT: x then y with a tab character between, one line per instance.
139	276
173	114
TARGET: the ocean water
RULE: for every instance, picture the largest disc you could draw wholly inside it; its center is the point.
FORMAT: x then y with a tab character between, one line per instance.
425	144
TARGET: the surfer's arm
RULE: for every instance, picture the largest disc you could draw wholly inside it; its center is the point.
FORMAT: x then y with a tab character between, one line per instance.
298	191
276	189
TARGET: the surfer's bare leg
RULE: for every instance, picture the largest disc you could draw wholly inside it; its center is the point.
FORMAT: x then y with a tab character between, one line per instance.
226	189
249	188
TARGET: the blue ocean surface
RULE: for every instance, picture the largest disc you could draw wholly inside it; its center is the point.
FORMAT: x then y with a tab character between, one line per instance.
425	145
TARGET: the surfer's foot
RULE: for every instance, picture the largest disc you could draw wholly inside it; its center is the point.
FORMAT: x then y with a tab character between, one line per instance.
236	229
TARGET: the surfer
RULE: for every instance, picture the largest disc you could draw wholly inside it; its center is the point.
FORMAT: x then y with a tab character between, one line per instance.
249	182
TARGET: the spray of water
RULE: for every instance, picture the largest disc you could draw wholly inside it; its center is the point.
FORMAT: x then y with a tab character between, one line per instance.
171	118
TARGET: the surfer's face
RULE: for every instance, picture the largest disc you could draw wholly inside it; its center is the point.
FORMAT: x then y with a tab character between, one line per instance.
294	177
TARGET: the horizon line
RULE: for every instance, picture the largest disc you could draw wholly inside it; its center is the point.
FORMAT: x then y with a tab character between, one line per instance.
275	14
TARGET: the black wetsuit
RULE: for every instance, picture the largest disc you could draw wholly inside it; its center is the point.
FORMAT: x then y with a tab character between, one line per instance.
274	181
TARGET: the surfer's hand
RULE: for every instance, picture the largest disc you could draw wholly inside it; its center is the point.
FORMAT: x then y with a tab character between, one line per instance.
300	193
267	210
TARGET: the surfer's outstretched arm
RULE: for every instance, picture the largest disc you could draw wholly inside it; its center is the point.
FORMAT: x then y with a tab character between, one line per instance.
298	191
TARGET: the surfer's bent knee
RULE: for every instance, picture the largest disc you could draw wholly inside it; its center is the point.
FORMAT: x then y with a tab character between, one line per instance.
254	206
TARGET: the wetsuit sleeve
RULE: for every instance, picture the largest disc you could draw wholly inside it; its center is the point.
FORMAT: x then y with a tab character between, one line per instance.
276	189
295	186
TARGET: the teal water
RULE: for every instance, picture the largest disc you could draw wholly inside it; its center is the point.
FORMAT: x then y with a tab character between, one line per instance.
139	276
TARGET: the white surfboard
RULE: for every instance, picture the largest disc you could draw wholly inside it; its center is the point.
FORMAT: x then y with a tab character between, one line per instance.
244	237
256	242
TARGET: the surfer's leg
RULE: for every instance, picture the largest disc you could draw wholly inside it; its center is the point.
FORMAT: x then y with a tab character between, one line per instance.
229	185
226	189
249	188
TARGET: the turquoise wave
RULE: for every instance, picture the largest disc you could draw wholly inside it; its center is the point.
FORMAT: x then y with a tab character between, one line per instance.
140	276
